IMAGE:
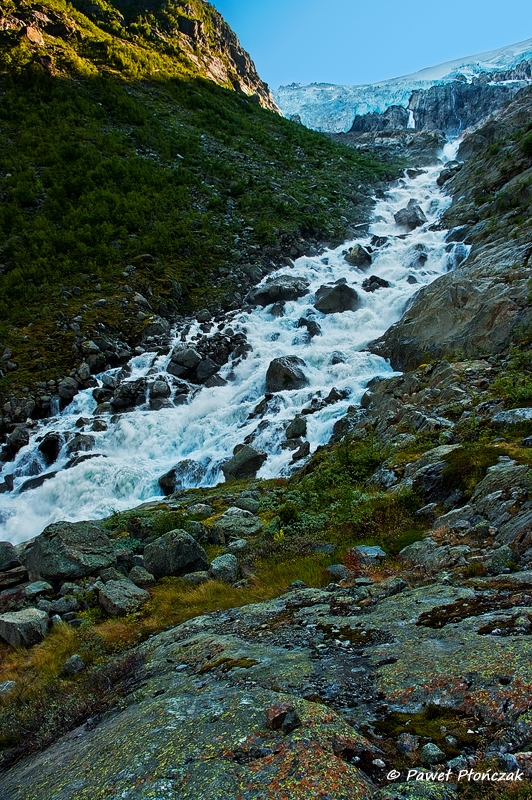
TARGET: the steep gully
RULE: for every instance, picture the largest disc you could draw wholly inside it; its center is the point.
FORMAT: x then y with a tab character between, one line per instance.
112	461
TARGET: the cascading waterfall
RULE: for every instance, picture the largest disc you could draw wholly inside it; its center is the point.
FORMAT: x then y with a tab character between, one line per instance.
132	450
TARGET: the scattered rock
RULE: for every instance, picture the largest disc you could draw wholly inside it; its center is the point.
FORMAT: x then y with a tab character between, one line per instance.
296	428
236	524
431	754
411	217
175	553
373	283
225	568
73	665
24	628
141	577
121	597
283	288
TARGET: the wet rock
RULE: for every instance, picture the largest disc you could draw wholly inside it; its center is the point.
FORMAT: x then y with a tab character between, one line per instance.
160	389
225	568
18	439
336	299
311	325
373	283
50	447
286	374
236	524
24	628
277	310
183	475
68	550
302	452
358	256
175	553
244	464
129	394
206	369
34	483
449	171
81	443
411	217
121	597
73	665
296	428
283	288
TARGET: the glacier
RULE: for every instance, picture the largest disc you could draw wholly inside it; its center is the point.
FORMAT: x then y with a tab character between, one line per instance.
332	108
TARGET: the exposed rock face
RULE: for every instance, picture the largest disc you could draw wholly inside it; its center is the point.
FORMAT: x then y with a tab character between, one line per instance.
394	118
175	553
245	463
278	290
68	550
286	373
336	299
418	644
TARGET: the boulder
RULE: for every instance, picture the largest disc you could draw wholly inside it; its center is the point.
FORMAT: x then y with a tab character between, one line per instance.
9	557
286	374
358	256
336	299
368	554
175	553
311	325
73	665
244	464
206	369
50	447
81	443
225	568
185	474
18	439
296	428
160	389
411	217
121	597
449	171
186	357
24	628
373	283
141	577
69	550
236	524
129	394
278	290
68	389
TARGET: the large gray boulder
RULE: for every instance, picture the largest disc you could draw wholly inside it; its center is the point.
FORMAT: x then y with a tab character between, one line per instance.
336	299
280	289
286	373
68	550
225	568
236	523
358	256
411	217
121	597
24	628
175	553
245	463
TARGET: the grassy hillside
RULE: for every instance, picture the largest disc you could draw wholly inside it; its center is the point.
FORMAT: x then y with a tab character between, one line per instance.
124	169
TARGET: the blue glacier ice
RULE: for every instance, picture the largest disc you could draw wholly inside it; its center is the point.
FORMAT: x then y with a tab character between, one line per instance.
331	108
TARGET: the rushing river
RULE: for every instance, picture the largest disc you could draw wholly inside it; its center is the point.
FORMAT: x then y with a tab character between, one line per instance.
138	447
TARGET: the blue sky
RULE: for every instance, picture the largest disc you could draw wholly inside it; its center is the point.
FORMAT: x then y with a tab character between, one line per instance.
350	41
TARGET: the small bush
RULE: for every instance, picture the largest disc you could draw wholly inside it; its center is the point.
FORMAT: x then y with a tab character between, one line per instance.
526	145
468	465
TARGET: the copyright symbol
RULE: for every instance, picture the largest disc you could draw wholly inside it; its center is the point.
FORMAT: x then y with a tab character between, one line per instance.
393	775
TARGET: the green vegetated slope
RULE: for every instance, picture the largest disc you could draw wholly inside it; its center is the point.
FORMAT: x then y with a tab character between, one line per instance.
125	144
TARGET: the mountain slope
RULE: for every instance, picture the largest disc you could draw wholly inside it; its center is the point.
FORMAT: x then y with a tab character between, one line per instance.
131	168
330	108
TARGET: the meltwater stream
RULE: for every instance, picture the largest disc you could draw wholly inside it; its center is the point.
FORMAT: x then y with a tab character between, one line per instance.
138	447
